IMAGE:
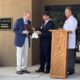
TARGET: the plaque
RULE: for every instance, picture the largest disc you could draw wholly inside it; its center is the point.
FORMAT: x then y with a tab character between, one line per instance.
29	28
5	23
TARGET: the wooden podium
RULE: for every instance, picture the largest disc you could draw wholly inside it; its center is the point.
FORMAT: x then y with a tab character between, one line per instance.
59	54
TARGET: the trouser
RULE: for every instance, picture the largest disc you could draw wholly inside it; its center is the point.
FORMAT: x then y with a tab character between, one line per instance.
22	56
71	60
45	54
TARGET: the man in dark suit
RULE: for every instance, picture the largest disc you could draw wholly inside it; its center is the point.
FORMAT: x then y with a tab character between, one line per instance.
21	42
45	43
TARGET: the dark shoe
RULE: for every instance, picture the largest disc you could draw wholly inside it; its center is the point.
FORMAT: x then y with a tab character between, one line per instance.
39	71
25	71
47	72
19	72
71	72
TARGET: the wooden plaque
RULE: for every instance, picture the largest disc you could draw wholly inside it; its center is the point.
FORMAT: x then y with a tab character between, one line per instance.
29	28
59	54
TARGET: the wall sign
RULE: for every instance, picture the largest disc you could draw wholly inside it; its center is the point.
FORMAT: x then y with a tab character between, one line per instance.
5	23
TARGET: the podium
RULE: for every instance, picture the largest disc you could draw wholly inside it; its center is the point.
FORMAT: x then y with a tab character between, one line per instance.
59	54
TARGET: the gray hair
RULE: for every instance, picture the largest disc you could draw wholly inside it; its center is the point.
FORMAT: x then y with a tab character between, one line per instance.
70	9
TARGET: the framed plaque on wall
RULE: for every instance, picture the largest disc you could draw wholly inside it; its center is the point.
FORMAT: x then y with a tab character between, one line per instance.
6	23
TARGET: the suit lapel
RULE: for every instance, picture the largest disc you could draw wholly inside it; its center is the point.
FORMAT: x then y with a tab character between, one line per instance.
45	24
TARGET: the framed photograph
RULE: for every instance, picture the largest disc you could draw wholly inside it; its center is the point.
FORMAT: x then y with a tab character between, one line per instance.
6	23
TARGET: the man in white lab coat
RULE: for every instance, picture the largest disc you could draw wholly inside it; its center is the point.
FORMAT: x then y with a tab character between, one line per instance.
71	25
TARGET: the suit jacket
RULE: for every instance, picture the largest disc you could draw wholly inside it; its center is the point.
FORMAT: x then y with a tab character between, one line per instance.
45	30
18	29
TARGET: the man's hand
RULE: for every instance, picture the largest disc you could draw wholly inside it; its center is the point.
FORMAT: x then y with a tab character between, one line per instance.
70	32
39	32
25	32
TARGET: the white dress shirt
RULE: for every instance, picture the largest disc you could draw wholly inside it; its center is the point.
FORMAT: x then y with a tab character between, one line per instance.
71	25
25	21
45	22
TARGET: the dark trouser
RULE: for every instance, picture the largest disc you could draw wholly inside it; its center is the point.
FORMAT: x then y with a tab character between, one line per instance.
71	60
45	54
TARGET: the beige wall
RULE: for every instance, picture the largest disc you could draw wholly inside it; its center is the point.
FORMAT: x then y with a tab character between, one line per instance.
14	9
7	50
